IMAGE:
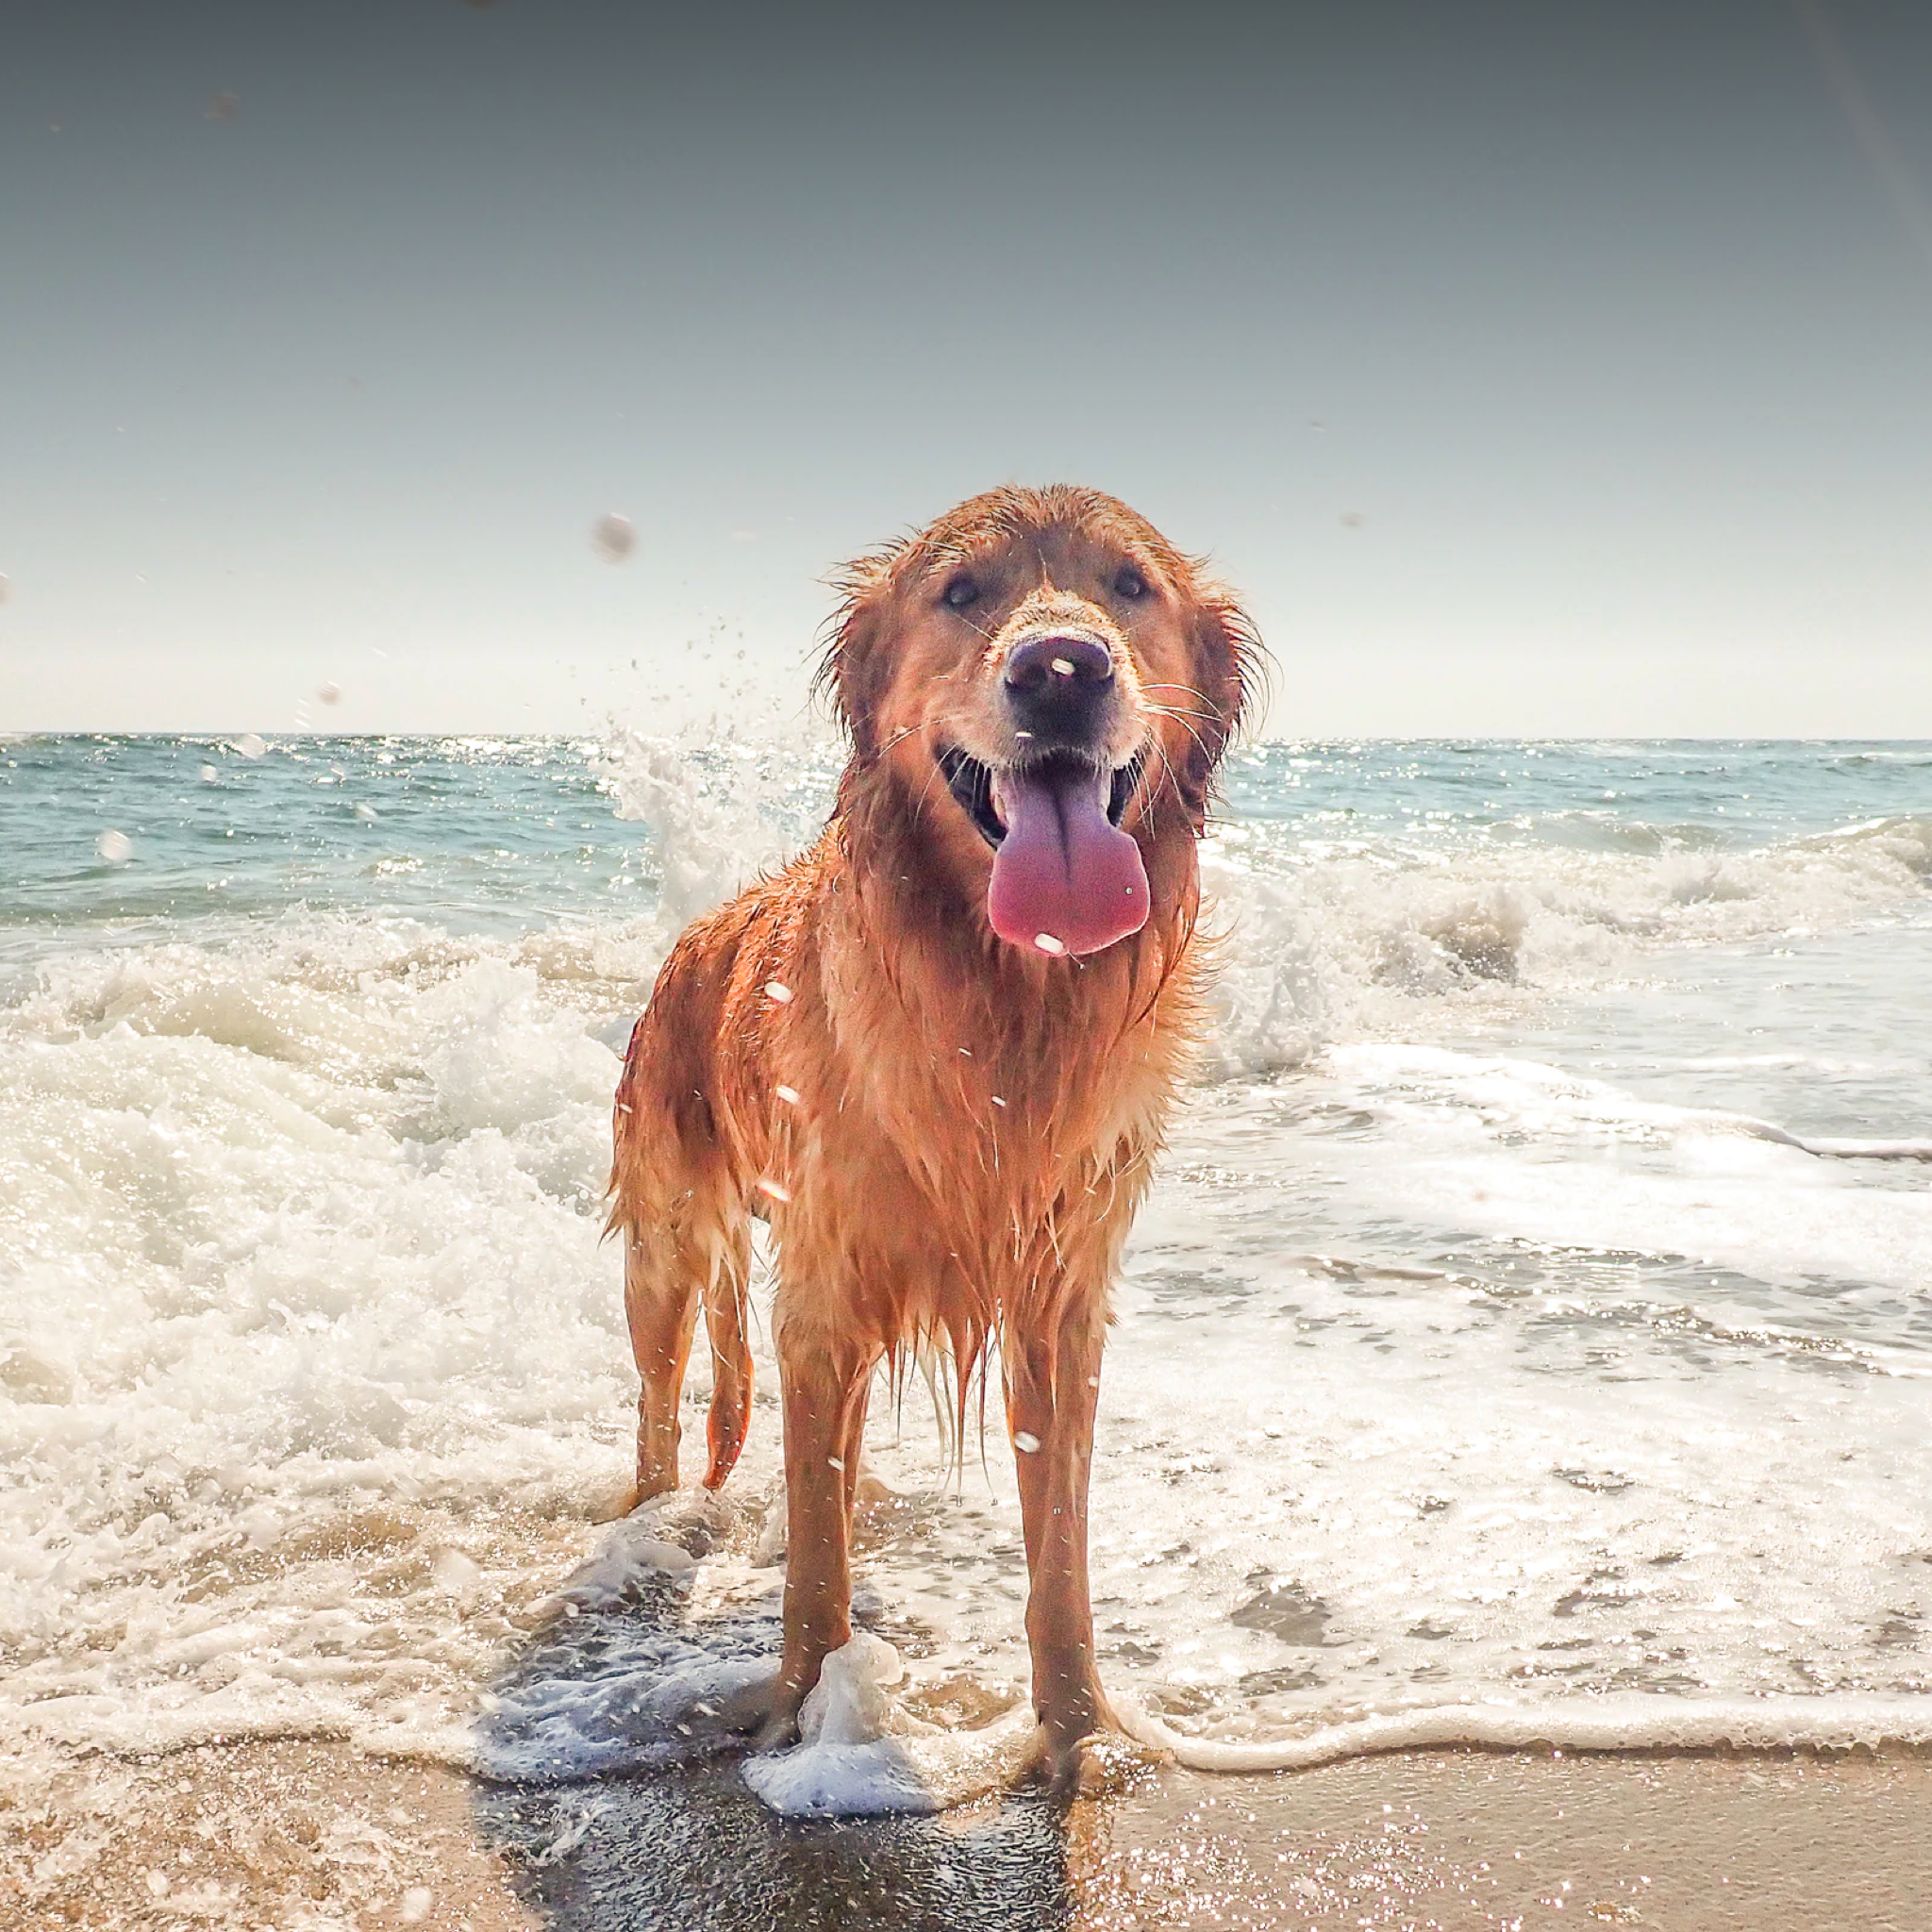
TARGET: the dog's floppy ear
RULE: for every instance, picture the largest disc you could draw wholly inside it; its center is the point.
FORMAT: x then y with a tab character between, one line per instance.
854	668
1231	667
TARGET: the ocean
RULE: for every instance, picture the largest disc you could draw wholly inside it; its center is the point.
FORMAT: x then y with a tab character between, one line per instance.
1530	1329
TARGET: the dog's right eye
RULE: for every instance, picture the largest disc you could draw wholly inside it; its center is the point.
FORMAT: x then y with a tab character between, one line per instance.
961	592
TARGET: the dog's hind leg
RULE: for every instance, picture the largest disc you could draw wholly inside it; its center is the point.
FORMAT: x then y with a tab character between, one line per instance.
725	1299
691	1250
660	1304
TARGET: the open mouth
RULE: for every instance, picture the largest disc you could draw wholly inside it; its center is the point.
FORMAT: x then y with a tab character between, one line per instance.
972	784
1066	878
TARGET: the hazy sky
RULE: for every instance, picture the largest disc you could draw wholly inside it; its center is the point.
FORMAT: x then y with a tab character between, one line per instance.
1562	367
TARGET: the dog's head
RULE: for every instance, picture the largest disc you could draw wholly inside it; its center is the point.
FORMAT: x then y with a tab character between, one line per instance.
1047	685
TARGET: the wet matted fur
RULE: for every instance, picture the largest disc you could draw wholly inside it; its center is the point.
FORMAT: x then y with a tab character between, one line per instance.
947	1131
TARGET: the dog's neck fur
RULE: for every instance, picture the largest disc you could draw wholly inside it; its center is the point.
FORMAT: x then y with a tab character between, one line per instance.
1004	1027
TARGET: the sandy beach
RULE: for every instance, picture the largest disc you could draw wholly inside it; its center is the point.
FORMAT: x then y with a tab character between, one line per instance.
1474	1839
302	1834
294	1833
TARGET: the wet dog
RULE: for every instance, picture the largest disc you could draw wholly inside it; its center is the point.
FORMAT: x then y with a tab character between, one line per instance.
937	1053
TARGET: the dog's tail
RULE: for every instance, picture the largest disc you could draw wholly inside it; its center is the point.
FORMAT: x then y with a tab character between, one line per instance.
726	1310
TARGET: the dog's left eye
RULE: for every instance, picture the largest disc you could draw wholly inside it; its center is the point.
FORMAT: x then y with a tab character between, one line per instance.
962	591
1128	582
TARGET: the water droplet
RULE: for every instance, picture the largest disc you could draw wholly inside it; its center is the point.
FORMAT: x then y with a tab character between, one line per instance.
778	990
835	1462
1048	944
251	744
455	1573
1063	667
788	1094
116	848
776	1190
1026	1443
209	776
612	538
367	813
328	693
416	1903
221	107
999	1100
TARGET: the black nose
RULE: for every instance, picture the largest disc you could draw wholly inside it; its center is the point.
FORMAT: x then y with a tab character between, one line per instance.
1058	685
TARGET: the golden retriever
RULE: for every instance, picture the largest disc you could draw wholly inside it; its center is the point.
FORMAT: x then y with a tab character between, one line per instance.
937	1053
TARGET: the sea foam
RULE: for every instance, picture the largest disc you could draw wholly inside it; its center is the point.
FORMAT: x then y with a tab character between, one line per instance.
1576	1363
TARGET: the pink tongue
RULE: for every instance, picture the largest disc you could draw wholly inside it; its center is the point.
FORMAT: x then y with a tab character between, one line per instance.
1064	880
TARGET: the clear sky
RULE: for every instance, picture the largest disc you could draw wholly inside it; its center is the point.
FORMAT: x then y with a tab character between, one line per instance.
1533	369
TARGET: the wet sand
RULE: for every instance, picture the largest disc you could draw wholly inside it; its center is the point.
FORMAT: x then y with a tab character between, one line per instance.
291	1835
307	1834
1492	1839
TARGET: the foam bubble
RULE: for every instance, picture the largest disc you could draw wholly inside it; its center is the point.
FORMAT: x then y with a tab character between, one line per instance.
1325	942
862	1754
308	1303
1596	1724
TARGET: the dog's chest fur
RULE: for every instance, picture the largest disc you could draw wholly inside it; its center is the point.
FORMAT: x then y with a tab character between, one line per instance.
956	1138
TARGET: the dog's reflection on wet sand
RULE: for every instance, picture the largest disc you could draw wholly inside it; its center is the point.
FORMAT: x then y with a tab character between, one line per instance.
692	1848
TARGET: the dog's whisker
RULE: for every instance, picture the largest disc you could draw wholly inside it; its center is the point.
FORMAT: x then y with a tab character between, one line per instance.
1179	711
1199	742
919	802
1167	780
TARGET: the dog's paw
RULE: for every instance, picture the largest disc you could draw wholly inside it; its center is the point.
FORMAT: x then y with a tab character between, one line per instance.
613	1504
764	1715
1103	1764
699	1522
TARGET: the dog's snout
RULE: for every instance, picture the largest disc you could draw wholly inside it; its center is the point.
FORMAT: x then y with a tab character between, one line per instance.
1040	662
1057	684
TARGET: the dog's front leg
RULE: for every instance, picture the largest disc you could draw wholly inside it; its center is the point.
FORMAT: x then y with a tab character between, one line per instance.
1052	1388
825	1384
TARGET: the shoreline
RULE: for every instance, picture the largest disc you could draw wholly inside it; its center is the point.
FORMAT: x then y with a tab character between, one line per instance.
307	1834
